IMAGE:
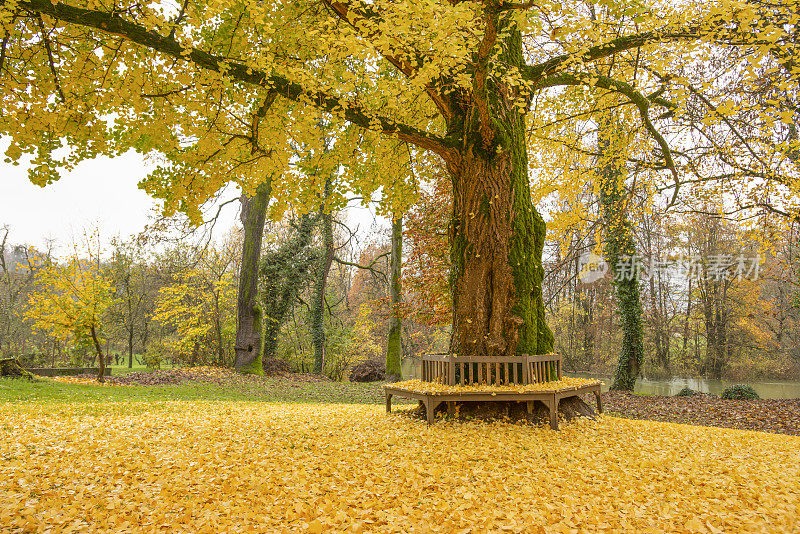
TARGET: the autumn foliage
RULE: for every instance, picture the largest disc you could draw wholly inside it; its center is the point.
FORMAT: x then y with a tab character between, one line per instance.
71	301
426	271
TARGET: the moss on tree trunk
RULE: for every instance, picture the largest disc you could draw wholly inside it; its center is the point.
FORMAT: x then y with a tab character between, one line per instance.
497	236
10	367
249	337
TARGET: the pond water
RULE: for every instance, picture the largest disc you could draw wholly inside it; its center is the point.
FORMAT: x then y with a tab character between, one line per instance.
768	389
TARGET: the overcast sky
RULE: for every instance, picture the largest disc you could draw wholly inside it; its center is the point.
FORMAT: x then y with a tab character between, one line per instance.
99	193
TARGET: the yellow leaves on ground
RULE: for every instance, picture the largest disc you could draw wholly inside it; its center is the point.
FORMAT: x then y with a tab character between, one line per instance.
566	383
84	381
254	467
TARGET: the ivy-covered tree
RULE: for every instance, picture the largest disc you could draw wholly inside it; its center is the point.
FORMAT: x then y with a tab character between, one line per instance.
283	273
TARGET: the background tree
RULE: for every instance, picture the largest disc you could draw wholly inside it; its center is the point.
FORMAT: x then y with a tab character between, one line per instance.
135	295
197	310
72	301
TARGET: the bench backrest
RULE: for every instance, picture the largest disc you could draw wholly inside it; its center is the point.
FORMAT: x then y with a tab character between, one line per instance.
490	370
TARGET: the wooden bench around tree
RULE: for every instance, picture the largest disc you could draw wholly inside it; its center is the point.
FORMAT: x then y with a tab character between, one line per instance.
459	373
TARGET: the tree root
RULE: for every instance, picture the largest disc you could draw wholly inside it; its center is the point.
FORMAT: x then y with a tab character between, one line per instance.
573	407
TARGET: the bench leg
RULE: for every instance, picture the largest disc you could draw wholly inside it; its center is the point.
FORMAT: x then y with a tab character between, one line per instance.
388	403
451	408
529	407
429	411
430	407
553	406
599	401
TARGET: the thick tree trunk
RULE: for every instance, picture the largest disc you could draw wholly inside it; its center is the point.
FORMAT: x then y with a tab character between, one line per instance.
496	236
249	338
101	372
496	251
621	254
394	349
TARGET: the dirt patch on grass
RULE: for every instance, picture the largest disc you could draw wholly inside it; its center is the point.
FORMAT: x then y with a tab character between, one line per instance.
778	416
215	375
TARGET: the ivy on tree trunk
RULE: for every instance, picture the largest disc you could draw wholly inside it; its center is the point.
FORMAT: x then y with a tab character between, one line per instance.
620	249
284	272
320	283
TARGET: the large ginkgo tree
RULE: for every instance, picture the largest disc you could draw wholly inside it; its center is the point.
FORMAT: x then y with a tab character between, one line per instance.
403	79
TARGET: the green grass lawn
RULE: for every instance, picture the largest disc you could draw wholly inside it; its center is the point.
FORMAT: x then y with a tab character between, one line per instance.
123	369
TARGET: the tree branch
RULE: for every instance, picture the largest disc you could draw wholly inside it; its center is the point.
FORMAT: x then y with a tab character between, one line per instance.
50	59
479	85
637	98
111	23
351	14
370	267
720	28
3	46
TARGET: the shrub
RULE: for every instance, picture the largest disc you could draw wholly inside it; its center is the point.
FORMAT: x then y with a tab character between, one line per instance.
686	392
740	392
156	353
368	371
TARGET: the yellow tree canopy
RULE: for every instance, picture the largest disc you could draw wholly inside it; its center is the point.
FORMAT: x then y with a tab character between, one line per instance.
71	299
232	90
196	307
